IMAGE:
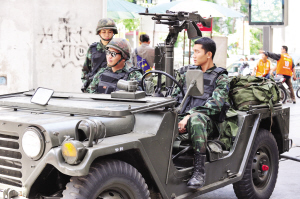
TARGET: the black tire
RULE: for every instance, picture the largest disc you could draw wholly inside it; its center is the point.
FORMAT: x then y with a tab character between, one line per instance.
108	179
298	92
283	94
257	183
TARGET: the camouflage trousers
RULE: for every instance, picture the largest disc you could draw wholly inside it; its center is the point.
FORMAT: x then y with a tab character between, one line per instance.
199	127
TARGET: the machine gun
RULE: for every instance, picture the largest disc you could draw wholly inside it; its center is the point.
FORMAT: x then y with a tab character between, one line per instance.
177	21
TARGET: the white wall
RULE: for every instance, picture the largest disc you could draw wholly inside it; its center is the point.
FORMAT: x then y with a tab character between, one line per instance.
221	53
43	43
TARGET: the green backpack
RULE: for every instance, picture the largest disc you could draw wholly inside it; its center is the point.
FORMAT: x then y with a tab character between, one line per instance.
251	90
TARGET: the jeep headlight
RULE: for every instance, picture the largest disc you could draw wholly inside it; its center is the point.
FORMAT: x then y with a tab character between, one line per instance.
33	143
73	151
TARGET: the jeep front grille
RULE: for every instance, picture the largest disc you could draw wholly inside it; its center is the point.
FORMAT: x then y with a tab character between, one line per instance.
10	160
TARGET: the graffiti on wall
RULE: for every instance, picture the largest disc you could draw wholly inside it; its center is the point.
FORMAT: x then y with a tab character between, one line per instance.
69	41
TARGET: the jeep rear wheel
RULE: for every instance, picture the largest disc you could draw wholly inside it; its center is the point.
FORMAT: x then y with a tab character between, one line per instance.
261	171
111	179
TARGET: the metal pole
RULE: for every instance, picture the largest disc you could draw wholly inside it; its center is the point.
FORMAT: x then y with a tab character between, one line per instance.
243	36
183	47
169	62
290	158
190	51
267	38
153	35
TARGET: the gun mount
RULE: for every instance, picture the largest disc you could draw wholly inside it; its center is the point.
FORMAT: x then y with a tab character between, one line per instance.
177	21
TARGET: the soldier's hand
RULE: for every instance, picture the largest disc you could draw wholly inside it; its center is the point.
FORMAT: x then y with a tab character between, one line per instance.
182	124
261	51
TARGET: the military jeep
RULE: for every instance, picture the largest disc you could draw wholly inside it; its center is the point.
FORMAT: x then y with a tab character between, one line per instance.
123	144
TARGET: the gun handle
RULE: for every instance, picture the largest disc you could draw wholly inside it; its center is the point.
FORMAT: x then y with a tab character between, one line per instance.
206	22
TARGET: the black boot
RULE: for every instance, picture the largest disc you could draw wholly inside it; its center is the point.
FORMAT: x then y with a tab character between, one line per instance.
198	178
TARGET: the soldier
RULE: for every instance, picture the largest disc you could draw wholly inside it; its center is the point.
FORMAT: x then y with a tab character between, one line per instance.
95	58
105	81
198	112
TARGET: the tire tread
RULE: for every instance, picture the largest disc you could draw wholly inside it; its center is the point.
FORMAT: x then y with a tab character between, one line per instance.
81	187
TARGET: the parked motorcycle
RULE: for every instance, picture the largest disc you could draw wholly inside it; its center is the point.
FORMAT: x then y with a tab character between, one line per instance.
298	92
283	87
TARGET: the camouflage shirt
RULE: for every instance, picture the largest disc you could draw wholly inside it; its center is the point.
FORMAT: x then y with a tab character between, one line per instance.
94	84
87	66
219	96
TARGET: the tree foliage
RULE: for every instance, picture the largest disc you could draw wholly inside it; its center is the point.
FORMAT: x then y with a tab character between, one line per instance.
130	24
255	44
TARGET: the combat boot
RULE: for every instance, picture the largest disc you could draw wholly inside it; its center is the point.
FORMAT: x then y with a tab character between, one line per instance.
198	178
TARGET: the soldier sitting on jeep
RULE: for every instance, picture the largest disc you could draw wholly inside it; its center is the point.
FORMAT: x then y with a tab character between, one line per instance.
198	112
105	81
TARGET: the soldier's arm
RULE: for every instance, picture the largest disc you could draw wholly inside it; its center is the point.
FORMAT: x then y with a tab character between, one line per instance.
135	75
214	104
94	84
86	66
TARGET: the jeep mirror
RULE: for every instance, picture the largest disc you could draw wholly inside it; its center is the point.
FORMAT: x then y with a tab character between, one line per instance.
194	84
197	77
42	96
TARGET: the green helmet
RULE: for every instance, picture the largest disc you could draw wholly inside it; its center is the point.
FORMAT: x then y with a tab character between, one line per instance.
122	45
106	23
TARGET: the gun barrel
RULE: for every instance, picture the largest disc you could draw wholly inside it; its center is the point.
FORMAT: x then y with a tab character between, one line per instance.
158	14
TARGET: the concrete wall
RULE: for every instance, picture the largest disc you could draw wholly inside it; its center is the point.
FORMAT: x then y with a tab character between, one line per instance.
220	57
288	35
43	43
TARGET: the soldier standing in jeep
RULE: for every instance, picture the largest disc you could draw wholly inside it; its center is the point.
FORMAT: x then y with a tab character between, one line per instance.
198	112
95	58
117	53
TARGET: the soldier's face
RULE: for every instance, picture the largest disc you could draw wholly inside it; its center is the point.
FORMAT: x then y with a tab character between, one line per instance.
113	60
199	56
106	34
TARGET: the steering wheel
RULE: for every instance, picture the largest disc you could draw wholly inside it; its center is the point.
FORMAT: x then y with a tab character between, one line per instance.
158	86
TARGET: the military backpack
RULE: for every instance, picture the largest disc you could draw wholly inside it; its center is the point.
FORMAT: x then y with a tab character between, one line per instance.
251	90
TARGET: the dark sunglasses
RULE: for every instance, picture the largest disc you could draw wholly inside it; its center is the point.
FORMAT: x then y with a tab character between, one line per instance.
111	53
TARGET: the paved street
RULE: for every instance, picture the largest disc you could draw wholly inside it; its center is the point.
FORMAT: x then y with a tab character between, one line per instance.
287	186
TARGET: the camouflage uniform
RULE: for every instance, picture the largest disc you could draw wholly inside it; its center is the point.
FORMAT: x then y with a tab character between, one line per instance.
199	125
94	84
87	66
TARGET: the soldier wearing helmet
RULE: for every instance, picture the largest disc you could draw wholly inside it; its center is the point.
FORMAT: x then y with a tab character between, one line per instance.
117	53
95	58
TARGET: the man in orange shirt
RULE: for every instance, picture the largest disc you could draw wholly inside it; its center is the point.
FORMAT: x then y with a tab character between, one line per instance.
285	67
263	67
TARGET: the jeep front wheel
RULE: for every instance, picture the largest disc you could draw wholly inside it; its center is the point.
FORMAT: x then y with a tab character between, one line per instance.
111	179
261	171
